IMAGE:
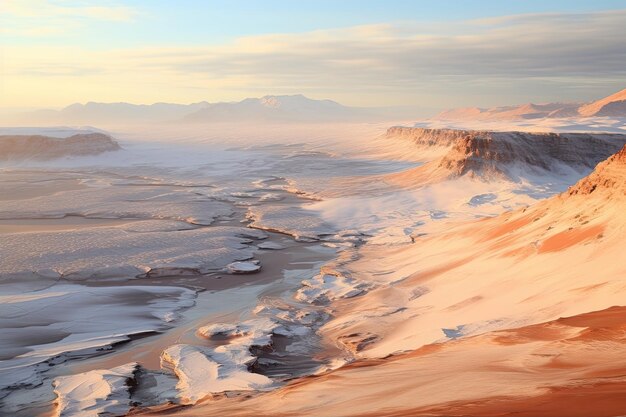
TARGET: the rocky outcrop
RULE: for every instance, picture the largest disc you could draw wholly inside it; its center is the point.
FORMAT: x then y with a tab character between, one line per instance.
356	342
608	177
488	153
41	147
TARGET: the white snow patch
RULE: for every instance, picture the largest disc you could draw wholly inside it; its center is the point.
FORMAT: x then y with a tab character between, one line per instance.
95	393
243	267
202	372
54	324
326	287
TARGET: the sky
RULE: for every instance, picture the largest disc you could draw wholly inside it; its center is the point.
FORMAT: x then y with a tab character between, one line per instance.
423	54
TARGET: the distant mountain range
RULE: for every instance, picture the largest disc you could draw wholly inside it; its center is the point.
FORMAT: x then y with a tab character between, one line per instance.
283	108
300	109
611	106
295	108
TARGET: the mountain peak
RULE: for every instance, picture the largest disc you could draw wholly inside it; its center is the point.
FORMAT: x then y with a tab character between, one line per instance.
276	101
270	101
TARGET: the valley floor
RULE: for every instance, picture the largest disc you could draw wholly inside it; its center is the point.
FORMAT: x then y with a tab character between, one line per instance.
340	273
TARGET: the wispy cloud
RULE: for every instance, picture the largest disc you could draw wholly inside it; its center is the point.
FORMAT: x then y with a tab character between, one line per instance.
471	61
66	9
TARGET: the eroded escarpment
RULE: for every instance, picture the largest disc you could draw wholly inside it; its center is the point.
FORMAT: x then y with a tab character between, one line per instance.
427	137
505	154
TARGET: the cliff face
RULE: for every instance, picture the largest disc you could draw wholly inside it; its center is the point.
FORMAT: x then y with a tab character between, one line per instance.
46	147
427	137
486	153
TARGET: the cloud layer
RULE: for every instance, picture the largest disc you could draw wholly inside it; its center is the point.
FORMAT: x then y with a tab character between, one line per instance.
454	63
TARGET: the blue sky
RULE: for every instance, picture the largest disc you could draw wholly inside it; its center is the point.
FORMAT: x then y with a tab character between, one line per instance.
432	54
219	20
213	21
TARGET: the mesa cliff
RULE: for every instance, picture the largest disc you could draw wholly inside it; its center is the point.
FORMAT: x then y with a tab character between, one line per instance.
15	147
505	154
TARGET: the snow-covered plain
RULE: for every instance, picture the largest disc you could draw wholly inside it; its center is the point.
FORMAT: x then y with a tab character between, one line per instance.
100	252
233	258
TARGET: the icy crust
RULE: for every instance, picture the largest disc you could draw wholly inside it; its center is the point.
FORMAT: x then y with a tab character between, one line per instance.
293	321
202	372
115	253
47	320
328	286
270	246
160	238
302	224
243	267
276	183
95	393
120	202
255	332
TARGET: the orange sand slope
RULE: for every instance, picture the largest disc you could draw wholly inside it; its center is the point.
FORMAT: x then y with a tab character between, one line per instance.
567	367
469	322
